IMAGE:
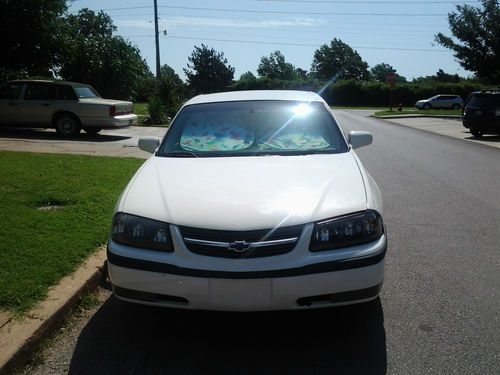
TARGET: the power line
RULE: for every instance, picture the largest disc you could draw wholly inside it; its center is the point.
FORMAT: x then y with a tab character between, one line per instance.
369	2
396	2
285	12
304	13
303	44
173	18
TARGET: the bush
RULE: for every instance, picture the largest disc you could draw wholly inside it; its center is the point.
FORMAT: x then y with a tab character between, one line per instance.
361	93
156	111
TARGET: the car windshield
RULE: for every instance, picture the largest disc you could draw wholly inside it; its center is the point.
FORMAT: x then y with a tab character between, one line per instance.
86	92
253	128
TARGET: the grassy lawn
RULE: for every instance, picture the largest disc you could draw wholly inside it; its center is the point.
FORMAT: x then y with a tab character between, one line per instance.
424	112
361	108
141	109
55	211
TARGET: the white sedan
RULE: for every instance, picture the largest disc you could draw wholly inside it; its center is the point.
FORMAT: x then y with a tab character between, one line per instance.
68	107
252	201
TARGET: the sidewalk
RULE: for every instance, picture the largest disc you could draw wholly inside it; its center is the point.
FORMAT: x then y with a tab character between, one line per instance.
450	127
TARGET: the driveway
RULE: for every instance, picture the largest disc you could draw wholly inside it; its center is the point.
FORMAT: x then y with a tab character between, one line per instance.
450	127
111	142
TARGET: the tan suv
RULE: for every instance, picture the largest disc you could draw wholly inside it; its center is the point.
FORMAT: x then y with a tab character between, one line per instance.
66	106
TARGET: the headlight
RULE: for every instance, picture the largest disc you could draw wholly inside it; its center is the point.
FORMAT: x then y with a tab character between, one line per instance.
345	231
136	231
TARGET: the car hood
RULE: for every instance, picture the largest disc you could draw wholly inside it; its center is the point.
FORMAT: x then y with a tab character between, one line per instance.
245	193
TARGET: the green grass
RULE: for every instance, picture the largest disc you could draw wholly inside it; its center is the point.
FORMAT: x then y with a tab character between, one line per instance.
39	247
360	108
429	112
141	109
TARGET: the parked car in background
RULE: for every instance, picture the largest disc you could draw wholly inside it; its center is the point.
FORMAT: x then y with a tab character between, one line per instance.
481	114
440	102
66	106
253	200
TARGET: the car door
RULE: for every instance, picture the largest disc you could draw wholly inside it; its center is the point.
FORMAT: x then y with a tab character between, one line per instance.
9	103
38	105
497	110
439	102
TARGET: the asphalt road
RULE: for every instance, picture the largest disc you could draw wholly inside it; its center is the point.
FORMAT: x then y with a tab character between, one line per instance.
439	311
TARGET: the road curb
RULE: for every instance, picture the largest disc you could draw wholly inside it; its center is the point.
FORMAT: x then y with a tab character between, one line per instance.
395	117
19	339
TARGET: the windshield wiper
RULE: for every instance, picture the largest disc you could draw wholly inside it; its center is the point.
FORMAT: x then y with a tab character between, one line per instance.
181	154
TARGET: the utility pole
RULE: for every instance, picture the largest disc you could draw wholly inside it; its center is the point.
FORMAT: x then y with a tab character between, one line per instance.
157	42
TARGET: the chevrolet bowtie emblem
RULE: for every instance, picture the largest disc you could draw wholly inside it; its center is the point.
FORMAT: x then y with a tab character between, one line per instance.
239	246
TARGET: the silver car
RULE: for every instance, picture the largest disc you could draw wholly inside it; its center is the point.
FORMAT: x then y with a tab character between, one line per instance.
441	102
66	106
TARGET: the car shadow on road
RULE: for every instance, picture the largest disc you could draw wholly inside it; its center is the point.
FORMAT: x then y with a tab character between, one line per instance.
485	138
51	135
123	338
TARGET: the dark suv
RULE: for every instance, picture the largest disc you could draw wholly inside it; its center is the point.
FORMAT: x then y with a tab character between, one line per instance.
481	113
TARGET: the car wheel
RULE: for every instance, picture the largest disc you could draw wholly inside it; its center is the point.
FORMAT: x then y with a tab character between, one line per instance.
456	106
92	130
67	126
476	132
427	106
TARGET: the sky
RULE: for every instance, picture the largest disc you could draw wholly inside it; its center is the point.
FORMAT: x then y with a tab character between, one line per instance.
399	33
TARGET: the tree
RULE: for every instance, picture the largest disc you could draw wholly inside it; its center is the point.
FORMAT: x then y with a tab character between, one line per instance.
32	37
301	73
338	61
248	76
171	89
275	67
208	70
381	71
109	63
476	39
439	77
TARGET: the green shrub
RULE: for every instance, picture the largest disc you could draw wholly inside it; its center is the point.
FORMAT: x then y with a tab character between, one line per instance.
156	111
362	93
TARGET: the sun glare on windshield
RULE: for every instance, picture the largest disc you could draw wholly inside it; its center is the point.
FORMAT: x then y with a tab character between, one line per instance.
302	109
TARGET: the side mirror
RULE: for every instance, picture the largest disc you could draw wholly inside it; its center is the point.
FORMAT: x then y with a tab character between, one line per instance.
359	139
149	144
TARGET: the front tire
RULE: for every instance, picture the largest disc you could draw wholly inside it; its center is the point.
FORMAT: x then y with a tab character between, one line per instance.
92	131
427	106
456	106
67	126
476	133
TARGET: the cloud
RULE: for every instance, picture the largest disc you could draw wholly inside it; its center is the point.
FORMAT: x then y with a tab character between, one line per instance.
172	23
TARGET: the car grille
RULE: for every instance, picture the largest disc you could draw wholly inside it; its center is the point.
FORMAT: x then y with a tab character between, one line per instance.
241	244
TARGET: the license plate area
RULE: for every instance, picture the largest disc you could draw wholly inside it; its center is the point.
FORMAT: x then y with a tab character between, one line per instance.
248	294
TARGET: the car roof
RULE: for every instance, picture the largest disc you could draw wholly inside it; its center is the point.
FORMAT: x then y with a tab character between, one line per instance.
233	96
47	81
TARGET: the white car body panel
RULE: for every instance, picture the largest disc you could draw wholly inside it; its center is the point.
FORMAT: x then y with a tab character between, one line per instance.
241	194
245	193
247	294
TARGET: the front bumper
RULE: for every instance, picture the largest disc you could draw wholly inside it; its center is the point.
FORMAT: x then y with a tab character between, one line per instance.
296	280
